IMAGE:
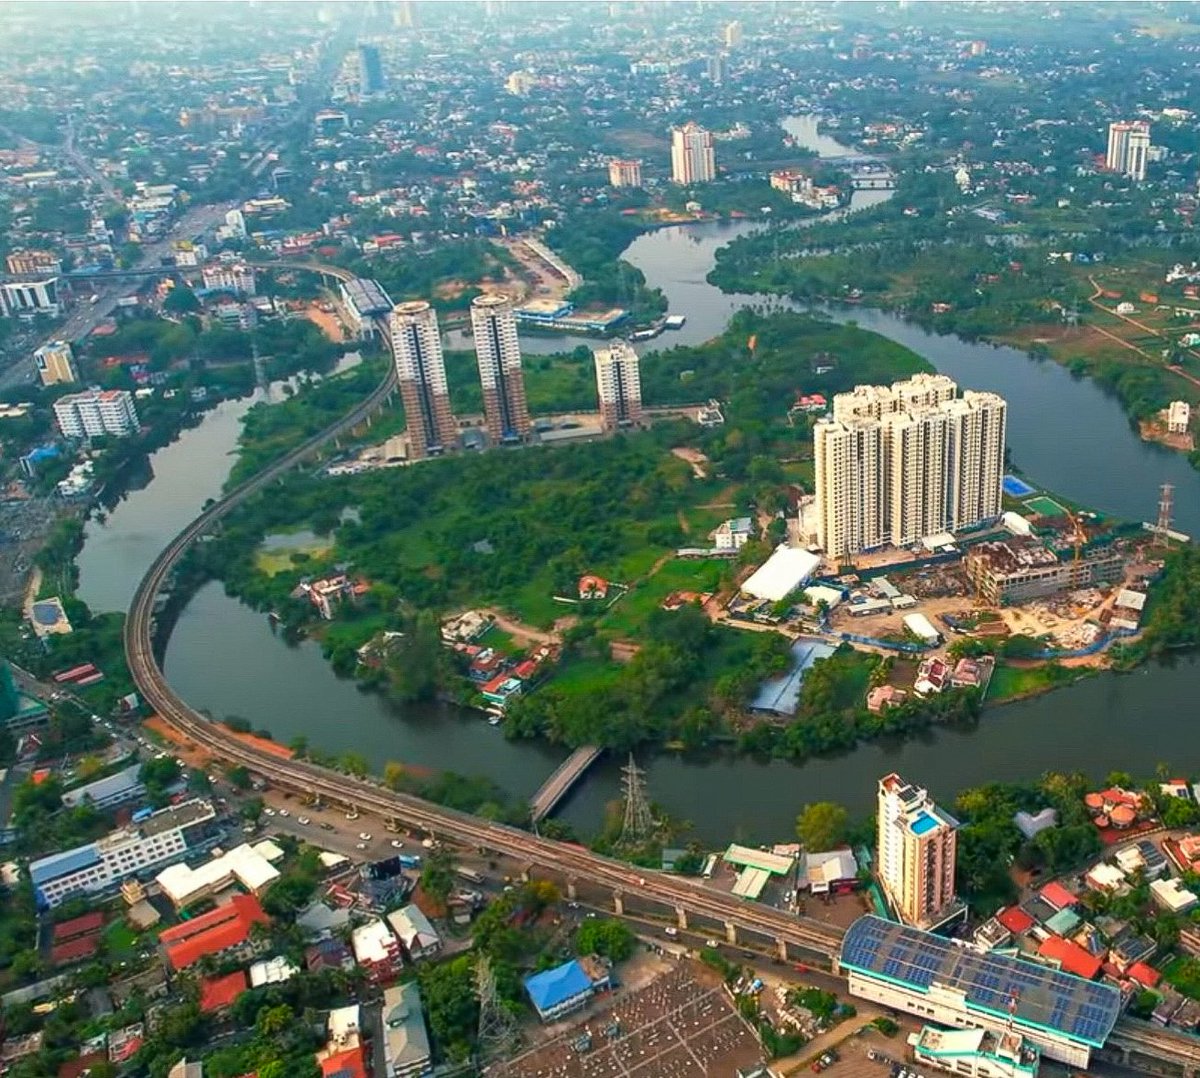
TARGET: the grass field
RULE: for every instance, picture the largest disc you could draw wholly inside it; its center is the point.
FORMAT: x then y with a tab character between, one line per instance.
1045	507
1015	682
275	554
678	574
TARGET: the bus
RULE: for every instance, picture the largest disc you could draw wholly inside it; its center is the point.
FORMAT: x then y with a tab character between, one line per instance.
710	864
470	874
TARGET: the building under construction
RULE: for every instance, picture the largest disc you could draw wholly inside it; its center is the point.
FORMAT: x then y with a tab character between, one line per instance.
1012	571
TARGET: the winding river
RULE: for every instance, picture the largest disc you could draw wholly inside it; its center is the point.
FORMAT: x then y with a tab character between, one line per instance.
1064	432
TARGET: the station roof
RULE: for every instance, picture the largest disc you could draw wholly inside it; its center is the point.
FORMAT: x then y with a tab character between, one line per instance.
749	857
1046	999
555	986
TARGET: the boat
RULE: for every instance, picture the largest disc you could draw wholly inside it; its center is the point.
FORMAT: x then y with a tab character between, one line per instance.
494	720
675	321
646	334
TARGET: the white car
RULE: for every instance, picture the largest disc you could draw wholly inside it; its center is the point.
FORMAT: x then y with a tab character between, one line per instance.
360	845
284	812
351	815
397	844
365	836
303	820
268	812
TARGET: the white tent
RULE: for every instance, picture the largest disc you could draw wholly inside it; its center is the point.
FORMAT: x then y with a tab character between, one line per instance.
781	574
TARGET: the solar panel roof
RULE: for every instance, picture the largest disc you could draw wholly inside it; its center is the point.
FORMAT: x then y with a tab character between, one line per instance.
1045	998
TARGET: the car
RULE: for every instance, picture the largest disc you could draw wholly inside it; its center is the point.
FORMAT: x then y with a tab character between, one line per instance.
397	844
360	845
304	820
268	812
711	944
365	836
351	815
429	843
328	827
284	812
671	931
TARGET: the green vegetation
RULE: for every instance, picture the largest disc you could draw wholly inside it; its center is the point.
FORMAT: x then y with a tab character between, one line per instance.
822	826
609	938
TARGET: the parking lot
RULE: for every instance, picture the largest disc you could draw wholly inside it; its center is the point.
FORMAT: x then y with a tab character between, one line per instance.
677	1026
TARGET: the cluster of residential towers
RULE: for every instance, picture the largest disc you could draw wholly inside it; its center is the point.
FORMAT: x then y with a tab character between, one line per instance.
421	374
901	463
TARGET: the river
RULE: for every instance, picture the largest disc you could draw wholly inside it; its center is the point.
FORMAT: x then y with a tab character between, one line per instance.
1064	432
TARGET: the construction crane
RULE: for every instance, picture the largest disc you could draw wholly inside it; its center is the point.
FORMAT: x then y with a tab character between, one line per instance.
1078	535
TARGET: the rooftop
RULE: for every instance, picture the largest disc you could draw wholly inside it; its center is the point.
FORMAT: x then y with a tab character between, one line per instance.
553	987
1045	999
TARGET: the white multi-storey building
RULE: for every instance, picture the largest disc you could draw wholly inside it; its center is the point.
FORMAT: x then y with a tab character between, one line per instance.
897	464
164	837
25	299
236	277
692	157
915	853
1128	148
619	385
498	353
421	372
623	172
97	412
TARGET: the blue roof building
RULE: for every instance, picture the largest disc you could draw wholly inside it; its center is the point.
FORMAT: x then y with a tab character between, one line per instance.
125	785
564	989
1063	1016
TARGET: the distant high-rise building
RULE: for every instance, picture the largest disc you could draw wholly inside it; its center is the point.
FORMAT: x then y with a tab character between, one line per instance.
624	173
55	363
733	34
421	374
519	83
915	853
403	15
619	386
897	464
717	68
498	352
692	159
1128	148
370	70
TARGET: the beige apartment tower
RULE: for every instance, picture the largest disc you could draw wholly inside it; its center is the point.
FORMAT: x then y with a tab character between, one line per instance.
623	172
498	352
898	464
692	159
1128	148
619	386
55	363
421	374
916	848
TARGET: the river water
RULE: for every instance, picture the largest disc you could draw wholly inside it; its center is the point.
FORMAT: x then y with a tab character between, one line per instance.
1064	432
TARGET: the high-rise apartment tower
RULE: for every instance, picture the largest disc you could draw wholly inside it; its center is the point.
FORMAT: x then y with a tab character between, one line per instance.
1128	148
692	159
916	849
619	386
421	374
498	352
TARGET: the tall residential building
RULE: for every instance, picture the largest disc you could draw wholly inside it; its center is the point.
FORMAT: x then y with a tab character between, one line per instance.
717	68
95	413
692	159
619	386
733	34
624	173
915	853
370	70
498	351
896	464
55	363
236	277
1128	148
25	299
421	372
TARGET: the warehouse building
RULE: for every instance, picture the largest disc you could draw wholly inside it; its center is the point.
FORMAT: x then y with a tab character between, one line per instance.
1064	1017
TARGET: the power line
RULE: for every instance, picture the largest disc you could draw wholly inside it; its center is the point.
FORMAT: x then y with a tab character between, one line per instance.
638	824
497	1028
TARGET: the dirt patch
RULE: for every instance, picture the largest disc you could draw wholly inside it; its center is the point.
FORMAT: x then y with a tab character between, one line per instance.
327	321
522	633
1155	430
166	730
695	458
623	651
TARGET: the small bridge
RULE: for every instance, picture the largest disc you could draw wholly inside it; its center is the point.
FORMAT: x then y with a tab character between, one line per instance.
555	788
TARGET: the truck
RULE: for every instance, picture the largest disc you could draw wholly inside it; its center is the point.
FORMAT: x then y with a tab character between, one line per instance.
409	860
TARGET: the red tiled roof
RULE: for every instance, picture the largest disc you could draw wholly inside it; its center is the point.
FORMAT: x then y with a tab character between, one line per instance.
1058	896
81	1065
213	932
1073	958
75	950
1144	974
347	1064
1015	919
79	926
217	993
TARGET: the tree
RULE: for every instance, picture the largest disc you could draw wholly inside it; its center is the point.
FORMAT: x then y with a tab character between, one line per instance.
611	938
822	826
181	300
355	763
437	878
393	775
